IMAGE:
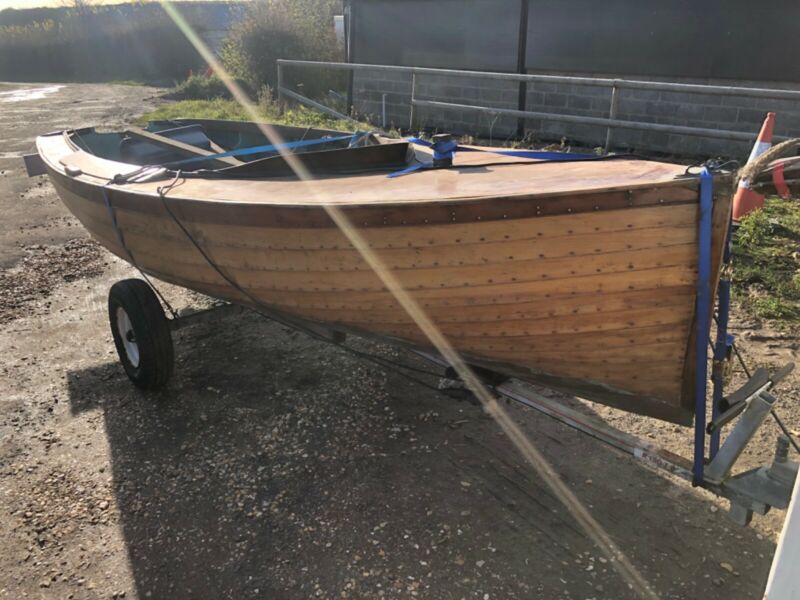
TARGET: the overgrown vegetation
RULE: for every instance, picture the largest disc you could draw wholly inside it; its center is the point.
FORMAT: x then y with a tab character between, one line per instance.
766	262
268	112
297	29
203	86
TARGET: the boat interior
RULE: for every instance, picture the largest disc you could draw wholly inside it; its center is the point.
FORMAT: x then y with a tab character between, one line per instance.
240	149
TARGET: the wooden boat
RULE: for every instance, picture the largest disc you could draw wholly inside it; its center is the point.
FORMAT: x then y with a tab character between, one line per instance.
579	275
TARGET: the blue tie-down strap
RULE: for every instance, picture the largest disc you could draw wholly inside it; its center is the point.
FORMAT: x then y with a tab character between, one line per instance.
268	148
443	150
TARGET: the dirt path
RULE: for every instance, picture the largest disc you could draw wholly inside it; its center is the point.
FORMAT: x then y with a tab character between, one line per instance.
277	467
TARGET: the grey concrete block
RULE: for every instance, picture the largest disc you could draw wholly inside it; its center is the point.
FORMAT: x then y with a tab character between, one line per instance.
691	98
740	102
627	138
555	100
542	86
534	100
491	97
579	102
656	110
687	112
601	105
720	114
655	139
652	95
628	107
788	124
751	116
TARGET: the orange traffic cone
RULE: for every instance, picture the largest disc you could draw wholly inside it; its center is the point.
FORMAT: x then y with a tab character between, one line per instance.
746	200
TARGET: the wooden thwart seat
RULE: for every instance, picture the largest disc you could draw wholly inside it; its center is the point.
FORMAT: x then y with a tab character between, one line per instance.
181	147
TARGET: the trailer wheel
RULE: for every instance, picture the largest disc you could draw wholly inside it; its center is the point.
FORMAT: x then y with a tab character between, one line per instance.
141	333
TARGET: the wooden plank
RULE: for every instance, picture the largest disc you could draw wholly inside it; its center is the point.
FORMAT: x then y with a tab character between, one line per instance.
405	237
666	277
416	257
181	147
528	331
464	279
309	238
574	291
580	305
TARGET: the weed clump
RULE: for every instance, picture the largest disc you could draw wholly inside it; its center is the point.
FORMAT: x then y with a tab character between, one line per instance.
766	262
203	86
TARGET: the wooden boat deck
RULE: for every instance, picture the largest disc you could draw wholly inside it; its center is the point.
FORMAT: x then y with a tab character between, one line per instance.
484	175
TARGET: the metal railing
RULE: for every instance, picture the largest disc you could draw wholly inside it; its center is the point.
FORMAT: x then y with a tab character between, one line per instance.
611	122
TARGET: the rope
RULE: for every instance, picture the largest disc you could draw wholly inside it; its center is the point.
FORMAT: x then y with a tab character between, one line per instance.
112	213
257	305
754	168
162	194
774	414
749	374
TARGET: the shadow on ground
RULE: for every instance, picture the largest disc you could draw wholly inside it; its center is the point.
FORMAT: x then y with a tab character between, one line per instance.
278	467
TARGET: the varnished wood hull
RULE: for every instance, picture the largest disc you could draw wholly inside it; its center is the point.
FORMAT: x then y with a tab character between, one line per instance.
592	292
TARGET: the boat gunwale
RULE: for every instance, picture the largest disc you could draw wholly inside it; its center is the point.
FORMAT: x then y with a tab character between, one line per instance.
376	215
688	181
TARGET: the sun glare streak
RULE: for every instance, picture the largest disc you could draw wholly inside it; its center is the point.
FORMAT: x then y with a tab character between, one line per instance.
529	452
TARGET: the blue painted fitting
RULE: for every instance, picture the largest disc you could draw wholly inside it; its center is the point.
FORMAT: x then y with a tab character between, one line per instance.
702	319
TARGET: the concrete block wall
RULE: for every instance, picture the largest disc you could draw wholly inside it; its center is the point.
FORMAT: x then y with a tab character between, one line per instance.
368	90
369	87
728	112
471	91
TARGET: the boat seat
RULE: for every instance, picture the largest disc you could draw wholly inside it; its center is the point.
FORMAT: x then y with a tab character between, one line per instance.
142	147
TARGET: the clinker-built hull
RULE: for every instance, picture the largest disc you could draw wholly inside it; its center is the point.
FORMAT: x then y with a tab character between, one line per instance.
580	276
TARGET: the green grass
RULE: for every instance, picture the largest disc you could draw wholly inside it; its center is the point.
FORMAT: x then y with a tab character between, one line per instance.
219	108
766	262
196	109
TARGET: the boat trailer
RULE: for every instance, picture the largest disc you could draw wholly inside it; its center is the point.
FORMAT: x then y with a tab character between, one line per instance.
754	491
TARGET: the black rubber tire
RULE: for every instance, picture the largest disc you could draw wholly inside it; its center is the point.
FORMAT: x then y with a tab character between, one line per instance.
151	333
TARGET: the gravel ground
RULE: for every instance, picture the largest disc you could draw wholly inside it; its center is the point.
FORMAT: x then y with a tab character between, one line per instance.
275	466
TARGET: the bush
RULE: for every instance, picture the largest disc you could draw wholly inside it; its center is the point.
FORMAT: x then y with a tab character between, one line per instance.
296	29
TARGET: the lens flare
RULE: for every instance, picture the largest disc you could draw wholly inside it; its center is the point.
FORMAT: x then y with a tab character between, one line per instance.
526	448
